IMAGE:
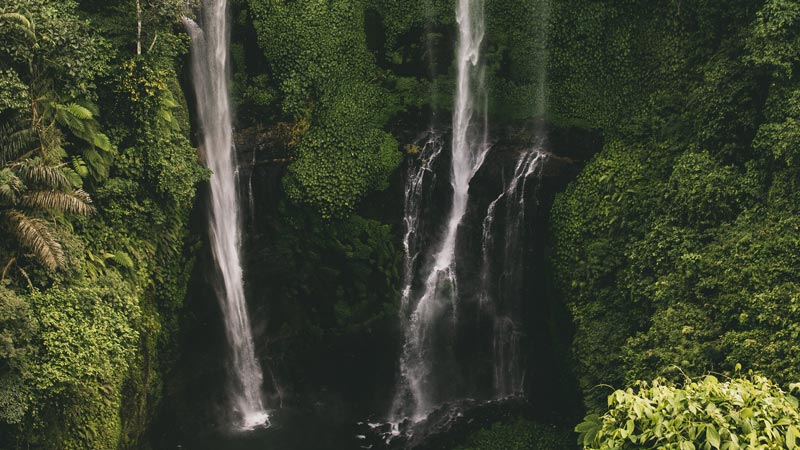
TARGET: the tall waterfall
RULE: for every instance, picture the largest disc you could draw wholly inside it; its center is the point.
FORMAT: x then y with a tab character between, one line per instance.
210	73
416	395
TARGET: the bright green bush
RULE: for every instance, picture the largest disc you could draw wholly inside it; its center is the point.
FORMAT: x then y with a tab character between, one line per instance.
329	83
72	371
742	413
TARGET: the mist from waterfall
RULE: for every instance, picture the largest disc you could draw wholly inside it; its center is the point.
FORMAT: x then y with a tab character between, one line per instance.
210	75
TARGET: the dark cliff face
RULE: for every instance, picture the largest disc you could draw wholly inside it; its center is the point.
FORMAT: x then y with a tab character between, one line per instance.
310	360
522	286
519	281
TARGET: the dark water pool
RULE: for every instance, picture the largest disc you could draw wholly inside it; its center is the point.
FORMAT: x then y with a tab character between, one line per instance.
320	428
290	429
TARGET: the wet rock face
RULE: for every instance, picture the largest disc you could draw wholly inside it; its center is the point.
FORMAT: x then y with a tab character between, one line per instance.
445	428
540	323
355	375
514	263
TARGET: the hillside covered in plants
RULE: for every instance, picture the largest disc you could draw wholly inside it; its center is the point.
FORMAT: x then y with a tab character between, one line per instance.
417	224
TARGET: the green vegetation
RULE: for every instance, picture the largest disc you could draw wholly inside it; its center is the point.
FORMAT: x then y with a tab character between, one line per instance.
520	435
333	279
97	178
329	88
704	414
677	246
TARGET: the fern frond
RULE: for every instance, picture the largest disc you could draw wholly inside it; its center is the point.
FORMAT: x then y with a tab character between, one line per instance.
99	162
72	122
79	120
76	110
101	141
79	166
76	202
34	234
90	106
123	259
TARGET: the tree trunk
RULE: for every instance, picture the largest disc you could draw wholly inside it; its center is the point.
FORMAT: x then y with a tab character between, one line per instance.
138	27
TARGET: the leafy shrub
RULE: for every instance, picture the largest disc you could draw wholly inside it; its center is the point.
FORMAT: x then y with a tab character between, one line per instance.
751	413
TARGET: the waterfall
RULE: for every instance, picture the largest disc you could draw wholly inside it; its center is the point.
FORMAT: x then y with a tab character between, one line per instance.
210	74
499	293
417	395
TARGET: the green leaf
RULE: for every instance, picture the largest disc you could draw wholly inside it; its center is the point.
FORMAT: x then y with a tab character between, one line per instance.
791	437
712	436
78	111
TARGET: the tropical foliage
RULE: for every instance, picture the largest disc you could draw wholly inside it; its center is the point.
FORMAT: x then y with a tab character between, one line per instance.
677	245
705	413
93	261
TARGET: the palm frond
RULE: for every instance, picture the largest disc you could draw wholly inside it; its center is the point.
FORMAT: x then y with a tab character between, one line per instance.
36	173
34	234
76	202
10	186
15	142
22	21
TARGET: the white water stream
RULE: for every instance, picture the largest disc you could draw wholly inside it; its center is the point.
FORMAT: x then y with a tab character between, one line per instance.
210	74
415	396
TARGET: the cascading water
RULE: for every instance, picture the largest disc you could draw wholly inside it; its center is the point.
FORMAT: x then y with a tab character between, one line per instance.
417	394
210	77
499	293
501	288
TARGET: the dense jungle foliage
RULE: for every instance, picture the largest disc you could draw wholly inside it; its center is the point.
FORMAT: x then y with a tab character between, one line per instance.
97	181
677	250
